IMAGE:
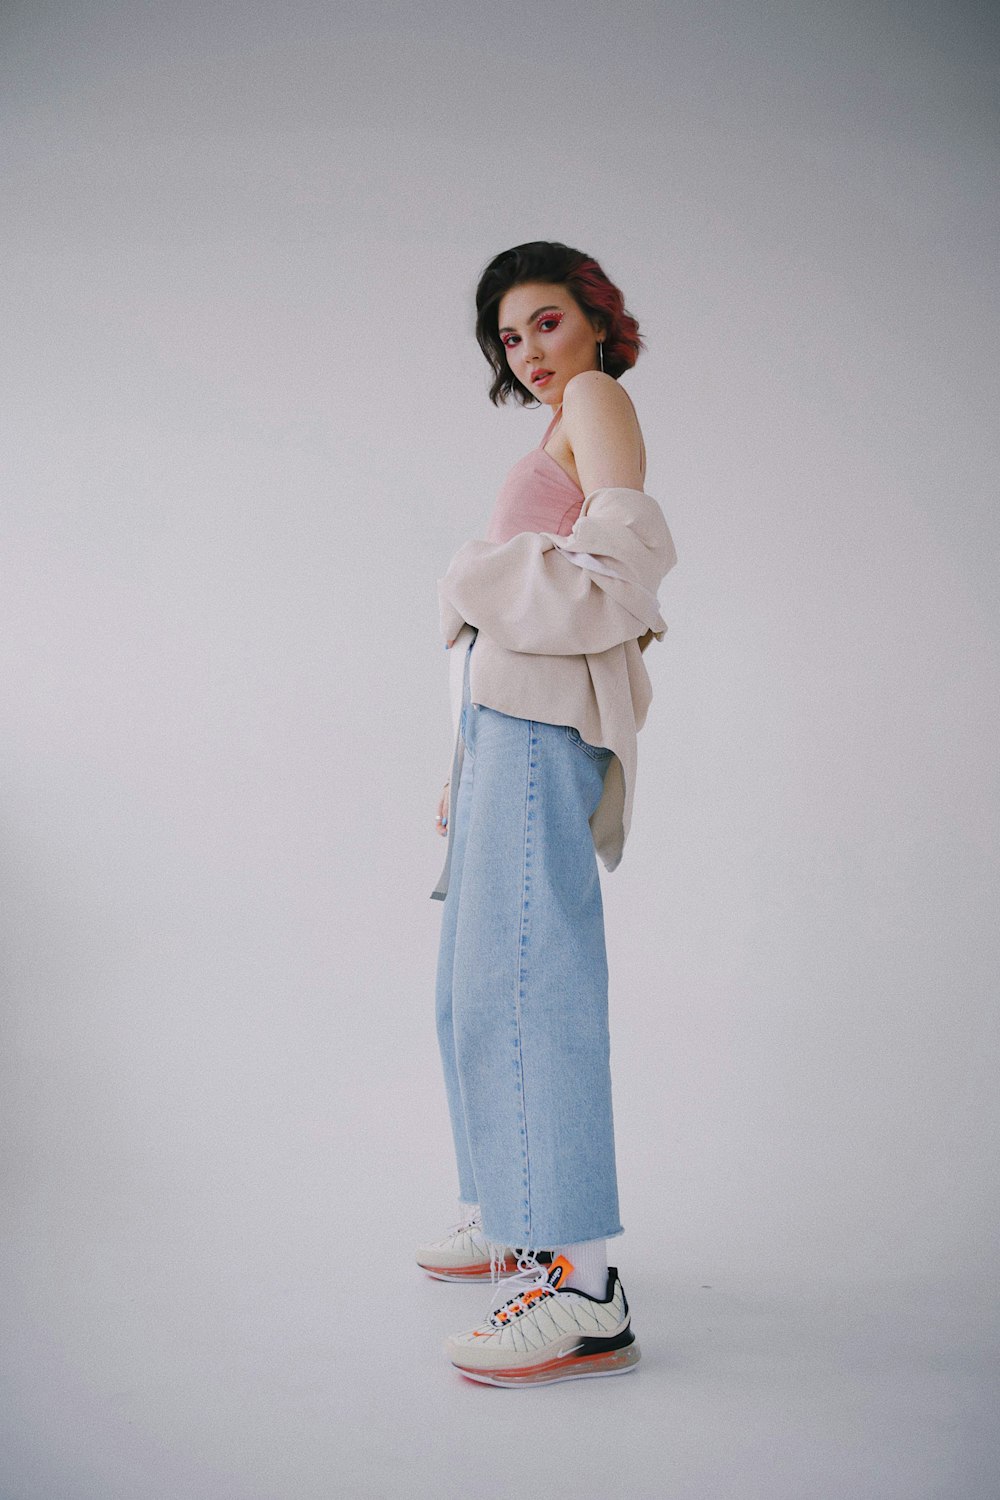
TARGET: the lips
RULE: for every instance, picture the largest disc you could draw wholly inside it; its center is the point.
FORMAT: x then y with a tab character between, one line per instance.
540	377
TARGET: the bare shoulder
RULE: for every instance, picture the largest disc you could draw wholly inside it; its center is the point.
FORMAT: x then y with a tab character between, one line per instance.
603	431
592	396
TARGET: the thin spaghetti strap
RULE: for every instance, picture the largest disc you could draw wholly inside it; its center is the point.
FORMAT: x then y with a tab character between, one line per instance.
548	429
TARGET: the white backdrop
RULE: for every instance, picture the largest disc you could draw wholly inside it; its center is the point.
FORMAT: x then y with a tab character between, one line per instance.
245	425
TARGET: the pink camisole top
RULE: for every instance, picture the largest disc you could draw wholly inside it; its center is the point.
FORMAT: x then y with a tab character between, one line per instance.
537	495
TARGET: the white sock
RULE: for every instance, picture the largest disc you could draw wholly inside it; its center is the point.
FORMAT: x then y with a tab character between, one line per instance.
589	1259
468	1209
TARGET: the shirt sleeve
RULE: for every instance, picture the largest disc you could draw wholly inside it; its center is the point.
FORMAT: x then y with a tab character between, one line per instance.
451	620
567	595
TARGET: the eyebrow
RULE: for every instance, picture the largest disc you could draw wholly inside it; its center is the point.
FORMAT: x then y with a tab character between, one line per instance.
549	306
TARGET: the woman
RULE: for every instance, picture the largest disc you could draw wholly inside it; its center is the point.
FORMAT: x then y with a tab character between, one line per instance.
547	619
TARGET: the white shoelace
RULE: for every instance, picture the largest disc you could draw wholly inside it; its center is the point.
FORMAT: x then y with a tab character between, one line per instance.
471	1220
530	1277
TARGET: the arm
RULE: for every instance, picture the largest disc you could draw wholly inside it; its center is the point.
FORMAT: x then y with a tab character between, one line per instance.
529	596
600	423
603	433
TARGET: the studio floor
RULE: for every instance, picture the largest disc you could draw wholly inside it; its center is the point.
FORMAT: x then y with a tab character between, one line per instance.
217	1342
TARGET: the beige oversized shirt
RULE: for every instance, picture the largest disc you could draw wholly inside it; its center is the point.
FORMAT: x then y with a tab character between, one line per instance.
563	622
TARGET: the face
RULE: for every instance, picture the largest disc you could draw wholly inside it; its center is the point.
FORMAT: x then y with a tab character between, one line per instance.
548	337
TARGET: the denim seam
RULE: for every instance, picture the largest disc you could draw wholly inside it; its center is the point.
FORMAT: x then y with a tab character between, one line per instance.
595	752
522	942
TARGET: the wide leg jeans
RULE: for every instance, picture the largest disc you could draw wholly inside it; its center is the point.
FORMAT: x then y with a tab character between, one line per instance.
522	984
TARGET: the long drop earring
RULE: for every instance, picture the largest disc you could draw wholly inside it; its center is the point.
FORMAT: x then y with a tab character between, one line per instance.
600	353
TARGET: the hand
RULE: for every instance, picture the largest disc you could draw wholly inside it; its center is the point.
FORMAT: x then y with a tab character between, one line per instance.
441	821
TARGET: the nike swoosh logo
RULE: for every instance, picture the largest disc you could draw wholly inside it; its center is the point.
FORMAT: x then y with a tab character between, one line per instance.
564	1352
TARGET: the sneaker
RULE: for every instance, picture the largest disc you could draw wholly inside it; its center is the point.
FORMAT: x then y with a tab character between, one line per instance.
545	1332
463	1254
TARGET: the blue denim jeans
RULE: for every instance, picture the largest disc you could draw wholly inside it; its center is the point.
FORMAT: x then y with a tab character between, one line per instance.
522	984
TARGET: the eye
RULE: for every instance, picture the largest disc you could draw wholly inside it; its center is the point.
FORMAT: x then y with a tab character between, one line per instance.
553	319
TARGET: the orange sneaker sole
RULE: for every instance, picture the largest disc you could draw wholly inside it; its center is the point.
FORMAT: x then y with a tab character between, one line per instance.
477	1272
581	1367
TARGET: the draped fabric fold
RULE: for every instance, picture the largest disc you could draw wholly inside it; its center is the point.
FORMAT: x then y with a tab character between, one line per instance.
537	593
562	624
